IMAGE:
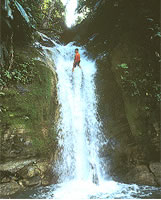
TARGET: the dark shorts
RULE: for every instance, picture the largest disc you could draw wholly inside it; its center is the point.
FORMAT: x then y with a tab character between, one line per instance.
76	64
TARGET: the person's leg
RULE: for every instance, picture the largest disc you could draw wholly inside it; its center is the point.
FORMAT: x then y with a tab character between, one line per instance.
73	67
79	64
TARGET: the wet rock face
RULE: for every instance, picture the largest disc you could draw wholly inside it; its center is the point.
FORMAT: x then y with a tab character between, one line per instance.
155	168
14	142
16	175
14	139
27	137
141	175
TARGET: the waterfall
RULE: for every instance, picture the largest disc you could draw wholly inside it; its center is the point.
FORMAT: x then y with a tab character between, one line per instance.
79	126
79	166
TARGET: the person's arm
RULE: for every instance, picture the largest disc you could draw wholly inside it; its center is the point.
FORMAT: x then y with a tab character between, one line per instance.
74	58
79	61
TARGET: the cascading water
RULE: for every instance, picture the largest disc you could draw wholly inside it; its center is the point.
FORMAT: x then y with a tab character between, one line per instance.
80	168
79	127
80	138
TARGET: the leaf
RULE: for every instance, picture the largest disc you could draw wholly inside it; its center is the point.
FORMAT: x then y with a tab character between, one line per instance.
150	19
8	9
7	73
158	34
147	108
157	54
22	11
151	29
2	94
123	65
122	78
126	72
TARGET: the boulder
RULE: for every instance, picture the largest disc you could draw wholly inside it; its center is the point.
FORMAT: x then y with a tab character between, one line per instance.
5	180
33	181
156	170
15	166
37	169
9	188
43	166
33	171
141	175
45	181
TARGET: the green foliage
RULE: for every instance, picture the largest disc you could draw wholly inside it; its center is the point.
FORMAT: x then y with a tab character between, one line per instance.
154	28
31	106
124	66
34	10
10	6
79	19
19	73
87	6
8	9
22	11
53	15
137	82
14	17
19	20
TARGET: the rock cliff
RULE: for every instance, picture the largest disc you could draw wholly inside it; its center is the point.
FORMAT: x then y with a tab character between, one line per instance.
27	132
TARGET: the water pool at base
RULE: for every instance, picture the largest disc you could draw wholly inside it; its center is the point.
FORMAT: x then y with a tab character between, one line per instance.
85	190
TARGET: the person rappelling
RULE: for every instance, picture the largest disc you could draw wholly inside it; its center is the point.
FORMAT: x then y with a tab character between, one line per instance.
76	59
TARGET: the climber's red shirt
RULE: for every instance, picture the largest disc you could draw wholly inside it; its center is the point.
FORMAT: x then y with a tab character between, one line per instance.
77	58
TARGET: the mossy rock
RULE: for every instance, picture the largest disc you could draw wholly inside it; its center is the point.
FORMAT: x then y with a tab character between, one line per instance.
28	111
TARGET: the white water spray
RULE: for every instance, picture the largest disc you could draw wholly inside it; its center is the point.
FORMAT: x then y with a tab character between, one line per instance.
79	130
78	126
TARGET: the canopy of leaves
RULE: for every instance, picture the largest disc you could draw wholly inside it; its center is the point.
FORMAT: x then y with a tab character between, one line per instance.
53	15
20	19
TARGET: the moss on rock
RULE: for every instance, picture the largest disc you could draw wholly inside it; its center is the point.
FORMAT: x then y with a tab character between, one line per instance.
28	112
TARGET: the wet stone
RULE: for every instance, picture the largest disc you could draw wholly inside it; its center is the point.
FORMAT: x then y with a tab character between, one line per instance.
5	180
9	188
156	170
33	181
14	166
141	175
